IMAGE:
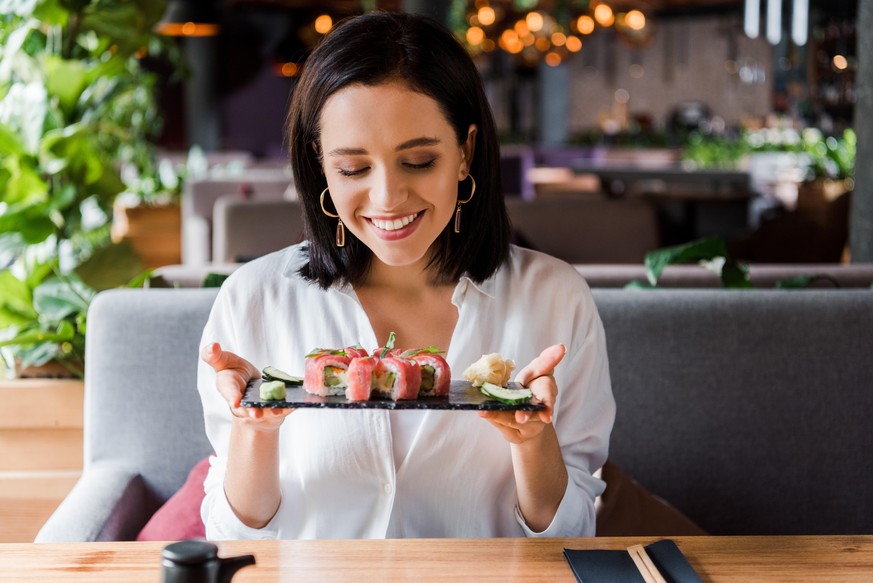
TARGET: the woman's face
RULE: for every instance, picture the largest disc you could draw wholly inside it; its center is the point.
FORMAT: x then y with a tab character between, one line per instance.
393	164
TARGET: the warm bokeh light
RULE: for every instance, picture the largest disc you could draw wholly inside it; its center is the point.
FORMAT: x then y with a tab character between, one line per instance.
553	59
521	28
559	39
603	15
510	42
534	21
840	62
289	69
475	35
585	24
323	24
543	44
187	29
635	20
528	39
574	44
486	16
488	45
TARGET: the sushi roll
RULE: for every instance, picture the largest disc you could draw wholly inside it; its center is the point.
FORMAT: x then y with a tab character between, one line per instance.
397	378
435	375
326	373
356	351
360	377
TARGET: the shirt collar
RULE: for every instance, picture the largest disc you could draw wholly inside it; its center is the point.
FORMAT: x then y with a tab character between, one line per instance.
295	262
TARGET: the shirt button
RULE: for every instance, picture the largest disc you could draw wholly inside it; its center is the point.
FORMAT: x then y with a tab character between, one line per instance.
387	488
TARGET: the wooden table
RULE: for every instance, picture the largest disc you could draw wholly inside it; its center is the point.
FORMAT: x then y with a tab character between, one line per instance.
796	559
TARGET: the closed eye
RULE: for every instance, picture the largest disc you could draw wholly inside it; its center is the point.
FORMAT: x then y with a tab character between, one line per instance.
422	166
348	172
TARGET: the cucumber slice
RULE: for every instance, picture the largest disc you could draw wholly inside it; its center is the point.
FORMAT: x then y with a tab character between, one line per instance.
273	391
271	373
508	396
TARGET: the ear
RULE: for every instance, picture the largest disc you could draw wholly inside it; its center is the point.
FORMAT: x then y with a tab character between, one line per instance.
467	150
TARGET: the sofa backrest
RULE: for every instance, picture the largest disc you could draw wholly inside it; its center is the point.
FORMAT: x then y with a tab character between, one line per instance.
762	275
748	410
142	409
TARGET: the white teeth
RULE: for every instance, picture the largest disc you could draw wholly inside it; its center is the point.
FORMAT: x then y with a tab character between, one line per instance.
395	224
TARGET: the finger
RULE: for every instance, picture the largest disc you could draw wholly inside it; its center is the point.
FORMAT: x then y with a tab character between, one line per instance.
542	365
220	360
231	386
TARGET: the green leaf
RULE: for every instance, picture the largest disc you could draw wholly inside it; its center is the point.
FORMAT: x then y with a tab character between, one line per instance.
214	279
31	224
111	266
24	184
71	150
139	280
735	276
51	12
638	284
701	250
56	299
65	79
37	353
38	272
35	337
388	345
802	281
10	143
15	294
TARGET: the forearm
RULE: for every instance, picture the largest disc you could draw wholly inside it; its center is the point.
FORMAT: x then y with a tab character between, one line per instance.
253	467
540	478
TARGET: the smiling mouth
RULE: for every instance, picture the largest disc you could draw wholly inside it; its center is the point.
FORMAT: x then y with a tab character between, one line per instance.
395	224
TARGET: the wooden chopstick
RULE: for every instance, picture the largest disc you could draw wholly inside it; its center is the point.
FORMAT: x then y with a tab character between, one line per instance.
645	565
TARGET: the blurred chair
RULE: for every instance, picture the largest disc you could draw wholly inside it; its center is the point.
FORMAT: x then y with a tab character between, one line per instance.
143	421
516	161
200	196
246	229
584	229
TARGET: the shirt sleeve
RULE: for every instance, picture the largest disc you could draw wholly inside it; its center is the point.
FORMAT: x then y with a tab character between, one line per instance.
583	420
219	519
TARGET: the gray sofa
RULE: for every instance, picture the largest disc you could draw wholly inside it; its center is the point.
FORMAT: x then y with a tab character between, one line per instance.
749	411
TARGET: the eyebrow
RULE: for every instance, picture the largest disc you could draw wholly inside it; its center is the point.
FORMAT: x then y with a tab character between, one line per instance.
413	143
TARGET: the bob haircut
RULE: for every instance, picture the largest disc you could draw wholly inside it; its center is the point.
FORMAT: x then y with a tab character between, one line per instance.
370	50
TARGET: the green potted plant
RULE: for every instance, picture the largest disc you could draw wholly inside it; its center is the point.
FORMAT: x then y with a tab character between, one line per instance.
77	116
830	168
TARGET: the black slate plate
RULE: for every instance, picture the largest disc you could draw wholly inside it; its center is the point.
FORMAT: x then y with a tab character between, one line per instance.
462	396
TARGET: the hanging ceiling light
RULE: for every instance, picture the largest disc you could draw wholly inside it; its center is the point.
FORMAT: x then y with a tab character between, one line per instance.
189	18
799	20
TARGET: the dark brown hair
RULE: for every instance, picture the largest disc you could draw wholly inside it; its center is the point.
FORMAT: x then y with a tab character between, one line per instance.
370	50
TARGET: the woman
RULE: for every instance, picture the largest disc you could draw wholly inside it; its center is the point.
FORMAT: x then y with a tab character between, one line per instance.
395	157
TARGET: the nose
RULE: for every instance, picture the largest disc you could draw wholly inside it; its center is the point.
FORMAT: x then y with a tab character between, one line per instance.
388	191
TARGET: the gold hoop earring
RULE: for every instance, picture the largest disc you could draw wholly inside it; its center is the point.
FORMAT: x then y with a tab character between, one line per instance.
460	202
340	229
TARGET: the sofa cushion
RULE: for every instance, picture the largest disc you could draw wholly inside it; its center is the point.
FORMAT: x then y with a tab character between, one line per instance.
179	517
628	509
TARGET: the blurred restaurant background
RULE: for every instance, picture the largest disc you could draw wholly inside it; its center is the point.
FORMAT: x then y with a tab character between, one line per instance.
645	123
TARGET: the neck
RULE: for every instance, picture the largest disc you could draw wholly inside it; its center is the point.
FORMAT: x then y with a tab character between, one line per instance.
415	278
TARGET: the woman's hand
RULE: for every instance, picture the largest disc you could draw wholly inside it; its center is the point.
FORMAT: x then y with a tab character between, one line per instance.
232	374
520	426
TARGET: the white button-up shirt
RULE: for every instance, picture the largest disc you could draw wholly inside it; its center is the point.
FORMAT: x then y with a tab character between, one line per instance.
338	474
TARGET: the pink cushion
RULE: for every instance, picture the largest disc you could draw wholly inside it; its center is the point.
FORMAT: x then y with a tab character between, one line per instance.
179	517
